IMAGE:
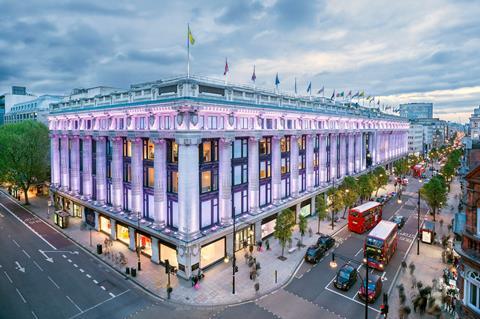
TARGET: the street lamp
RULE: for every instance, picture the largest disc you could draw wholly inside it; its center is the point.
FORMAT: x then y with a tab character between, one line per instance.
418	221
333	264
333	198
139	248
233	253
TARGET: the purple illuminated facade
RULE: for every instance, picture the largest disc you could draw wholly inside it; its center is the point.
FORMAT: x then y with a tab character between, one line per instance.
186	155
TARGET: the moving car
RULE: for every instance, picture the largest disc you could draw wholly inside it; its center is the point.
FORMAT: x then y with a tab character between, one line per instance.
314	253
346	277
399	220
326	242
374	288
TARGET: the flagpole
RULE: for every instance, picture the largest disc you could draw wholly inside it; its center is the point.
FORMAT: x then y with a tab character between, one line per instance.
188	50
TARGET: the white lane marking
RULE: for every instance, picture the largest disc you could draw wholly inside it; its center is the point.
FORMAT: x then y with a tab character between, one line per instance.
8	277
99	304
49	259
80	309
358	252
349	298
53	282
88	276
112	295
19	267
69	260
64	256
103	288
15	242
33	230
34	315
96	282
38	266
75	265
81	270
21	296
26	253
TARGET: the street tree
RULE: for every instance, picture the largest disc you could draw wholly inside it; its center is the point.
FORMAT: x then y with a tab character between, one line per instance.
302	227
335	197
380	178
321	207
401	167
24	155
349	188
284	228
435	194
365	186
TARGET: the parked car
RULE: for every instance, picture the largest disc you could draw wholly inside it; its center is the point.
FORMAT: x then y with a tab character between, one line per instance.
399	220
346	277
314	253
326	242
374	288
382	199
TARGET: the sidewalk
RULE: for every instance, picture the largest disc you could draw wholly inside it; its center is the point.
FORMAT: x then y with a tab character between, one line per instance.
216	287
429	265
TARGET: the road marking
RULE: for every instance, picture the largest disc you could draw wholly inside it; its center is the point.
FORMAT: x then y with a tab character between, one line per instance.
69	260
19	267
81	270
75	265
112	295
96	282
34	315
88	276
21	296
360	303
103	288
80	309
38	266
358	252
49	259
53	282
8	277
99	304
15	242
33	230
26	253
64	256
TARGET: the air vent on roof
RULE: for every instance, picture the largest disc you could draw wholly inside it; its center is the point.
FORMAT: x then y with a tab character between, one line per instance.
211	90
167	89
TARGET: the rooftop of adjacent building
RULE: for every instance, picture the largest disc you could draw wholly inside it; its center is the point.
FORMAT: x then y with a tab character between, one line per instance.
430	104
40	103
205	89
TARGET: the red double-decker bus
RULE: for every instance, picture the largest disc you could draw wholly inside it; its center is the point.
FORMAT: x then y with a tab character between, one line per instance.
364	217
380	244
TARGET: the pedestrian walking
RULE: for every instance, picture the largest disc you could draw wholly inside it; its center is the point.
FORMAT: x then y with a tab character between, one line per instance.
310	232
453	302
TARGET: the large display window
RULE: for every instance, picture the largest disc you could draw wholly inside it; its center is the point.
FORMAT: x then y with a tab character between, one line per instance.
146	242
245	235
122	234
268	226
77	210
167	252
211	253
105	225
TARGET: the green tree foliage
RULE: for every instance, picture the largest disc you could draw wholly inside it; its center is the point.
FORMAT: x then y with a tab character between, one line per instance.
335	196
302	226
435	194
433	154
24	151
365	186
321	207
401	167
284	228
349	189
380	179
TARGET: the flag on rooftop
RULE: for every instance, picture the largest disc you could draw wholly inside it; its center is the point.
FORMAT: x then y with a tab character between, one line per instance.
254	77
349	93
226	67
295	85
322	90
362	94
309	88
191	39
277	80
333	95
355	95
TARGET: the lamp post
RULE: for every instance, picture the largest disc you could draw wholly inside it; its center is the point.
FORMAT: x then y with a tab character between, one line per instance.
139	264
233	252
418	220
333	264
333	198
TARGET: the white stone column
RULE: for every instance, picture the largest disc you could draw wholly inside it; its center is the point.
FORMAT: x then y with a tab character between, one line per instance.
97	221
160	185
137	175
101	176
352	156
309	163
155	251
253	174
64	163
322	152
87	166
225	179
276	170
75	164
294	185
363	150
55	160
343	153
131	235
113	229
117	173
188	184
358	152
333	157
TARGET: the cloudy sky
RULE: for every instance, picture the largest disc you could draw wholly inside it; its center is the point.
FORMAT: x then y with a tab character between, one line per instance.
400	51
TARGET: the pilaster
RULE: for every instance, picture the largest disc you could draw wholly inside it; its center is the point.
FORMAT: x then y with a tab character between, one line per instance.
160	185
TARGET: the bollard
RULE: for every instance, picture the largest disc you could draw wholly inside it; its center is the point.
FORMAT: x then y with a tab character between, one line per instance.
127	270
275	276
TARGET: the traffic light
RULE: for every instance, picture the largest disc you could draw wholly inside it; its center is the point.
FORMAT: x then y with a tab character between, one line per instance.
167	266
384	310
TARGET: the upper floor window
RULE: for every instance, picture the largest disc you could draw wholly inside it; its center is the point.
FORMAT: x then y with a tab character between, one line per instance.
265	169
285	144
172	181
209	151
240	148
285	165
172	151
148	149
212	122
209	181
265	145
302	142
240	174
